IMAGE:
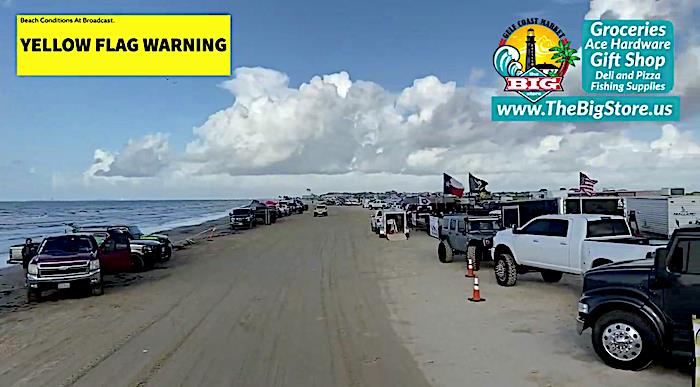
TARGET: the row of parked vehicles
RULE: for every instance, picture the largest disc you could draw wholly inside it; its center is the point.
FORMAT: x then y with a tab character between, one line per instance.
638	297
257	212
79	260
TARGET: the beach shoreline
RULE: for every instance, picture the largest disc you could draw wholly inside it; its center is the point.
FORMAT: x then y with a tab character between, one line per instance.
12	275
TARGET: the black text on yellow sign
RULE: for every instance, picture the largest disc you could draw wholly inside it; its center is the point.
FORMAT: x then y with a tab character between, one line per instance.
123	45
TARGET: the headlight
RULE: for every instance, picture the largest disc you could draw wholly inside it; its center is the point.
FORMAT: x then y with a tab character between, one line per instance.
487	242
94	264
33	269
582	307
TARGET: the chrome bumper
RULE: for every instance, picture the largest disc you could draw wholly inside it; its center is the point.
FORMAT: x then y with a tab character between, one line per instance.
93	276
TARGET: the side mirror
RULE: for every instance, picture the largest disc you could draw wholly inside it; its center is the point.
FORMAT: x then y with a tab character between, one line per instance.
660	270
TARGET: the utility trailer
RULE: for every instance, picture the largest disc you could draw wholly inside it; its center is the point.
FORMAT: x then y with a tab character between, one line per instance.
517	213
394	225
660	215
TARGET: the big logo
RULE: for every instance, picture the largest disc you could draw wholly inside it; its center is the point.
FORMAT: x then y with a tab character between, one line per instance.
532	57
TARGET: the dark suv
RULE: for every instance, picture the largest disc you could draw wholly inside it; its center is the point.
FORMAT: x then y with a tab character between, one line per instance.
242	217
639	309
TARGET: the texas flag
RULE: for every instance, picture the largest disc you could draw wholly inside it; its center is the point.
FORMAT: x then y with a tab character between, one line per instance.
451	186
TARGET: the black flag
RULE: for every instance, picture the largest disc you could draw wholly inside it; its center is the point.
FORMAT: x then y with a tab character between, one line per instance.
476	184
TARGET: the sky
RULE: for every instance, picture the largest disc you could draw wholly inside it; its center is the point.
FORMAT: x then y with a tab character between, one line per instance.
329	95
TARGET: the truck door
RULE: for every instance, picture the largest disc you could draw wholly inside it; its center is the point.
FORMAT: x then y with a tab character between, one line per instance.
453	233
461	235
116	253
682	294
544	241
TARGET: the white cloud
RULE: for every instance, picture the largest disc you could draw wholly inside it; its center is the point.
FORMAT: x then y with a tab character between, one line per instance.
355	133
143	157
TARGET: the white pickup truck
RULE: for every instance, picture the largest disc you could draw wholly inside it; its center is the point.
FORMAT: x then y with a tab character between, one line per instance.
557	244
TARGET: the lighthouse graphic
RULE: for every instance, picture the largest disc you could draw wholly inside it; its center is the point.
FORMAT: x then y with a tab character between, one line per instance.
530	61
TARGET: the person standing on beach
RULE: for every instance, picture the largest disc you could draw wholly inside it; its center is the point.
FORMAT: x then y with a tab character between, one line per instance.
27	253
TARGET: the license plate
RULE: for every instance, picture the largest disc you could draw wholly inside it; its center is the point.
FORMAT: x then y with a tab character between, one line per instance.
65	285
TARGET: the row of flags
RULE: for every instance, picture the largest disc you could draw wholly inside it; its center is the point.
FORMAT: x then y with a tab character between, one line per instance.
452	186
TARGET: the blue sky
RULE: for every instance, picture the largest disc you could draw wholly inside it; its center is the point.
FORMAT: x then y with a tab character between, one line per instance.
53	125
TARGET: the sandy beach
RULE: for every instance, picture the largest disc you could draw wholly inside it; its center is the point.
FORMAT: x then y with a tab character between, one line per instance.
305	302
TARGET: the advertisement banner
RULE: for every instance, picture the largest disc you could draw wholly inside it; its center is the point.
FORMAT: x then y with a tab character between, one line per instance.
434	224
123	45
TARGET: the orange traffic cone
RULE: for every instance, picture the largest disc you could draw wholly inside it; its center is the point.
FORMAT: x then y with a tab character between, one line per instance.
211	234
470	269
476	296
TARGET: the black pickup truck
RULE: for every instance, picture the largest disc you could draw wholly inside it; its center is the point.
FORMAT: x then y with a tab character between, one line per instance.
641	309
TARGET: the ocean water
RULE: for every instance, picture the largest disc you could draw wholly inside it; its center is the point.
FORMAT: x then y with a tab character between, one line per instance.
36	220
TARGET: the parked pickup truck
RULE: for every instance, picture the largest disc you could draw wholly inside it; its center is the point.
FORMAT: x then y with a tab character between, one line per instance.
469	235
375	205
557	244
15	256
66	262
243	217
145	253
642	309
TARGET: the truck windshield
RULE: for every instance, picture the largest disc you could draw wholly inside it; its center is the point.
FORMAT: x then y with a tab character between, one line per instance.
483	225
67	244
241	211
607	227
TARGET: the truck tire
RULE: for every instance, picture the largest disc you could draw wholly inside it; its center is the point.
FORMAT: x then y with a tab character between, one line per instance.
445	253
97	290
33	295
624	340
168	252
506	270
473	254
551	276
137	264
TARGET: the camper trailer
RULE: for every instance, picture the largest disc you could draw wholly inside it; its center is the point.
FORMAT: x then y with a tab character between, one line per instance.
661	215
517	213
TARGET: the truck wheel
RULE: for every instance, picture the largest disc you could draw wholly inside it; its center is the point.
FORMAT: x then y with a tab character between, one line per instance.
624	340
551	276
506	270
33	295
97	290
472	253
137	264
168	252
445	254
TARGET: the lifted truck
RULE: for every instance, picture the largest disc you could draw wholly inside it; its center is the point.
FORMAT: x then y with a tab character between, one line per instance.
641	309
557	244
470	235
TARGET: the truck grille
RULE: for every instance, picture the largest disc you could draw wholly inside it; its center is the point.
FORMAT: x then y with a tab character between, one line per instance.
63	268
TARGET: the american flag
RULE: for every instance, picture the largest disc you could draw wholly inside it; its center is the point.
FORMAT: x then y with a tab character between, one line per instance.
586	184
